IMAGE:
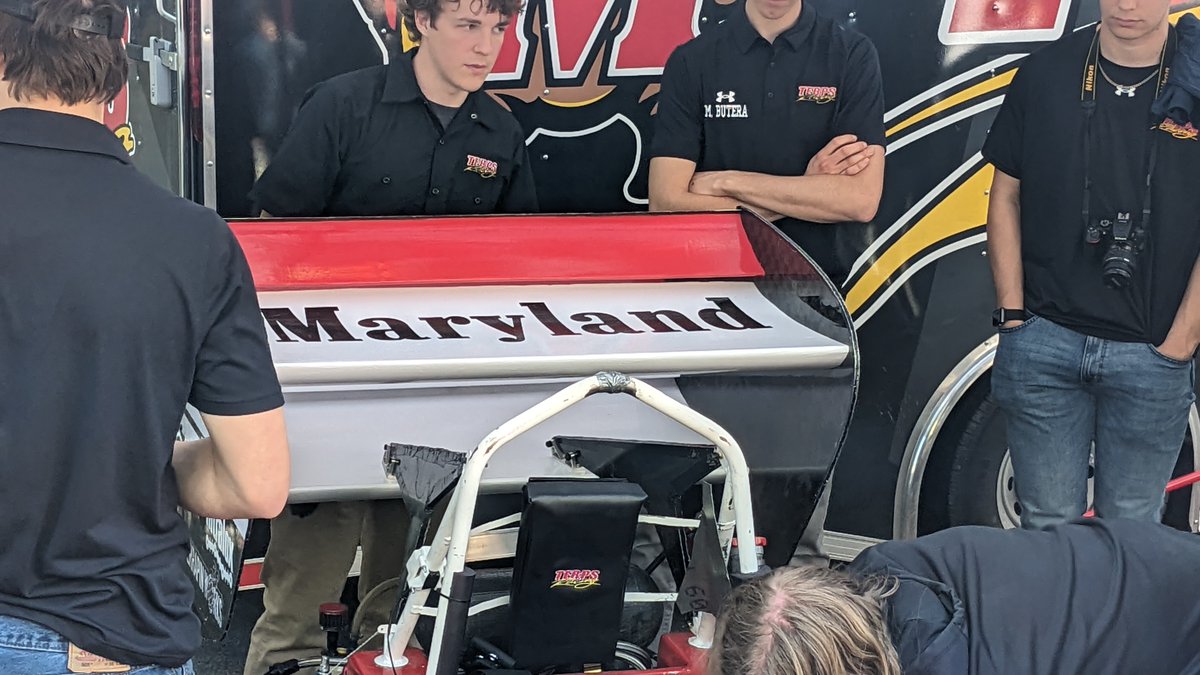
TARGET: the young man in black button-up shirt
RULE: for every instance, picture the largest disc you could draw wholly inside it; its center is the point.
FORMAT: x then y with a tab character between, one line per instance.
780	110
119	303
415	137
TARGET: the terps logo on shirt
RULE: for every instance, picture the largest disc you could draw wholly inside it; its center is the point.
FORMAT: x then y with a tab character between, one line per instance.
576	579
816	94
484	167
1185	132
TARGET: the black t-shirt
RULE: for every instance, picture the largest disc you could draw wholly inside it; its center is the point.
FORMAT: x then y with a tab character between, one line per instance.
368	144
1098	597
119	303
444	114
733	101
1038	139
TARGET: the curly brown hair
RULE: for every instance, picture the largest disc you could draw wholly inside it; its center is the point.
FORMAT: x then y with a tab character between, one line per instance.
409	9
44	57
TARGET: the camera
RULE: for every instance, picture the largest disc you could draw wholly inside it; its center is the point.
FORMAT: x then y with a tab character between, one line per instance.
1125	240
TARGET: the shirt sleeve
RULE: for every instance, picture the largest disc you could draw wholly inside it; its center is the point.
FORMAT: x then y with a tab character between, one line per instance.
1004	144
678	131
301	176
234	374
874	561
520	194
860	103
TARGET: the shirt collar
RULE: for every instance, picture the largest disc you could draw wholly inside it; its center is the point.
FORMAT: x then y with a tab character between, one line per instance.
401	87
745	35
59	131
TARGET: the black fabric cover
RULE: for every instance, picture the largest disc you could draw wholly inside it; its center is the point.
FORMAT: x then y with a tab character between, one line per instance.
571	564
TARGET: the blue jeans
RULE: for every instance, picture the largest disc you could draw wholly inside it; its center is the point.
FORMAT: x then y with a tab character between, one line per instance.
1062	392
31	649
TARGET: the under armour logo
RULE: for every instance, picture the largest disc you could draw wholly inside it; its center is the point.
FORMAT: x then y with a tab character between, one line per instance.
726	96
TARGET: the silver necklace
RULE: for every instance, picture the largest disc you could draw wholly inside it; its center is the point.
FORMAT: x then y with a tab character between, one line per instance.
1129	90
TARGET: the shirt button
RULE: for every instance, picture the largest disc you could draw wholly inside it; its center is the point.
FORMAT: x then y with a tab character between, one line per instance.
770	94
441	141
387	180
474	116
436	191
771	64
478	200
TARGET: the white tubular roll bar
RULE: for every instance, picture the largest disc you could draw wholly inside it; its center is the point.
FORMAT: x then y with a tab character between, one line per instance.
448	553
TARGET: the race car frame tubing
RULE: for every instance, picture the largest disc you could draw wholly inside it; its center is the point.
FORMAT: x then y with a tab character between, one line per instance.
448	552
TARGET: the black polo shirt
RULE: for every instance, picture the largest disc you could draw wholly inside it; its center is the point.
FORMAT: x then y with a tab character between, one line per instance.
119	303
733	101
1038	138
1100	596
367	143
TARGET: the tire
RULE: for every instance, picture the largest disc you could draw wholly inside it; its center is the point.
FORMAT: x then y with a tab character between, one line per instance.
982	490
980	482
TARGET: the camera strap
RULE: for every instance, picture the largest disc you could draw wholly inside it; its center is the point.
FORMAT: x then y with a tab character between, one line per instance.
1087	100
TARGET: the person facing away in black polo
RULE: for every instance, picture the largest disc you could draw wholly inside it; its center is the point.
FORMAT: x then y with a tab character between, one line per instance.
416	137
780	110
119	304
1093	238
1090	597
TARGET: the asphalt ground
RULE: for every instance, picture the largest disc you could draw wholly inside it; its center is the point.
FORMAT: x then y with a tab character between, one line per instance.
228	656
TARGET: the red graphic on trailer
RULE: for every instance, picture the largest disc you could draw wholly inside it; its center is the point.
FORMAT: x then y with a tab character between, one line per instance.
973	16
116	113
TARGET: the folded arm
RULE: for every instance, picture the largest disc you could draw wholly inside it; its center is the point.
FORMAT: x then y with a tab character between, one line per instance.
670	178
815	198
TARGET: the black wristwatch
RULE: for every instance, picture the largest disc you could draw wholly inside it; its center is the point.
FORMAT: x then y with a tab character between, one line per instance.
1002	316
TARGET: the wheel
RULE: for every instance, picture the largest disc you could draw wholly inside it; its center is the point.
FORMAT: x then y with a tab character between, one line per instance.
982	490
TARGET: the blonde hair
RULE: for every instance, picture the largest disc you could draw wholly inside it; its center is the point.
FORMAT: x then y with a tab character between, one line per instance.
805	621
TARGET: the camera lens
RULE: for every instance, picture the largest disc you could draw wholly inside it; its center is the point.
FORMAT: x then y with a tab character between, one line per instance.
1119	264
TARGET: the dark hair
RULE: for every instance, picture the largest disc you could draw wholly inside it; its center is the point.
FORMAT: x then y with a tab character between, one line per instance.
433	8
46	58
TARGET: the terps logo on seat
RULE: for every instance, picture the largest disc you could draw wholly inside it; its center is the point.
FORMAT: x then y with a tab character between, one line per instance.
816	94
576	579
1185	132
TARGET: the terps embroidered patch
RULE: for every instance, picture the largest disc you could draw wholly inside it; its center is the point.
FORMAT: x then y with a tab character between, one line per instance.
1185	132
576	579
816	94
484	167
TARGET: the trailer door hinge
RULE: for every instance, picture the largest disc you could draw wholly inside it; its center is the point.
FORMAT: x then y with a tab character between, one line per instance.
163	60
